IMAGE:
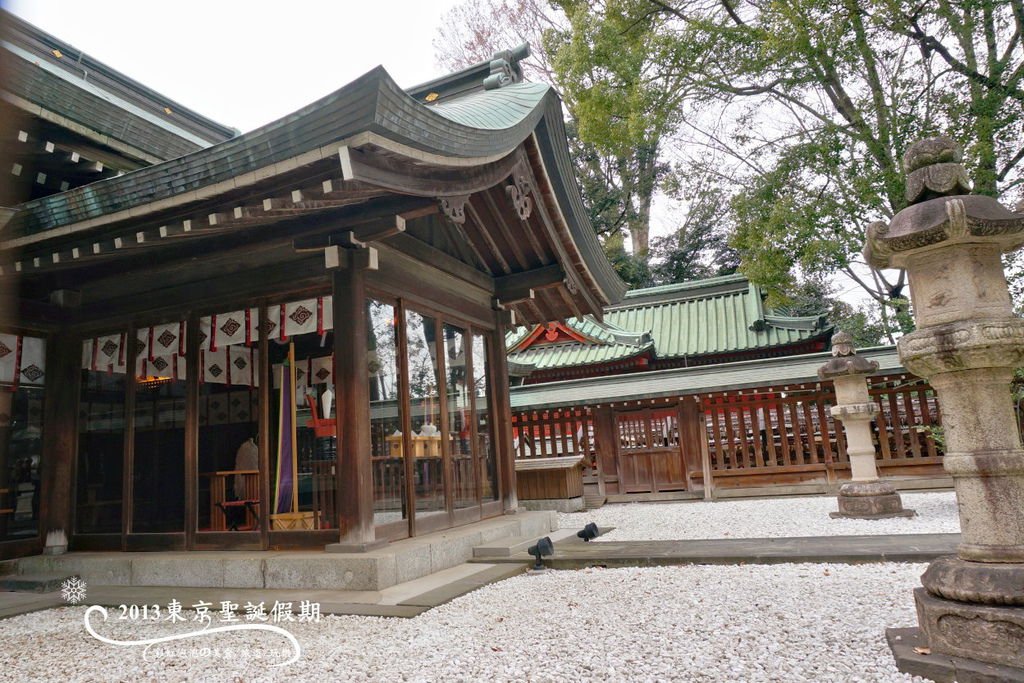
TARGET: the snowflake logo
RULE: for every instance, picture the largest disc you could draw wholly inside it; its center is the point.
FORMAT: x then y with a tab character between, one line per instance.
73	590
160	364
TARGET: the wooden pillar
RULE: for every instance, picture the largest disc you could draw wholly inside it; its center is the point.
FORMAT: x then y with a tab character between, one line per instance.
354	493
60	411
503	416
605	439
192	430
266	381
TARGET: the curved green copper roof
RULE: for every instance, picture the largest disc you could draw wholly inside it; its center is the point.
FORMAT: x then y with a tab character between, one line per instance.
567	355
484	125
607	343
715	316
674	382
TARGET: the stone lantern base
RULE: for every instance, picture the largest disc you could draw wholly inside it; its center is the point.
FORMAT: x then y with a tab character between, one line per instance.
870	500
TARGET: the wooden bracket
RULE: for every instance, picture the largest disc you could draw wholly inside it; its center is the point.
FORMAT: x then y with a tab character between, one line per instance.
361	258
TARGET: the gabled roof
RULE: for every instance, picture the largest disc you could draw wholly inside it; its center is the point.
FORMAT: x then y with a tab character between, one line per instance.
501	143
602	342
715	316
50	78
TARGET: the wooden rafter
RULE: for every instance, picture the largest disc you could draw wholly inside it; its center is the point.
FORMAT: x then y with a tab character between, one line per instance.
328	195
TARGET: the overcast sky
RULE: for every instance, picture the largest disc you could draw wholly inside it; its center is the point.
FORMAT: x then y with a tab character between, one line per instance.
244	64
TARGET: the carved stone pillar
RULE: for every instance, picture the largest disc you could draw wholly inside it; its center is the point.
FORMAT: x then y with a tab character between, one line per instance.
967	344
865	497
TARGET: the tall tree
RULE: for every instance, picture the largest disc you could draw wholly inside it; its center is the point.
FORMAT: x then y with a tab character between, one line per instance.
617	156
820	98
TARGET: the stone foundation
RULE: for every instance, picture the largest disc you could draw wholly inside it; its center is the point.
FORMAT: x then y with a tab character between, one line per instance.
557	504
870	500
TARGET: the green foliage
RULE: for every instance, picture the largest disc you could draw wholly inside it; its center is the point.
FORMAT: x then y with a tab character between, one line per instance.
814	296
814	101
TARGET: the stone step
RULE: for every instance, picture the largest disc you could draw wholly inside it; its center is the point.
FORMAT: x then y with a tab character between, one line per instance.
518	544
473	579
33	583
375	570
592	501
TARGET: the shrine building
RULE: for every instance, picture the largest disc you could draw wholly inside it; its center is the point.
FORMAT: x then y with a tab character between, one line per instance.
288	338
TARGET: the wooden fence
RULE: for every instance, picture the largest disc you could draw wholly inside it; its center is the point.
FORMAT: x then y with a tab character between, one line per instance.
750	438
771	436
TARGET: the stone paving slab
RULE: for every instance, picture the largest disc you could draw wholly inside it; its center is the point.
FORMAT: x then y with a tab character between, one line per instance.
913	657
450	591
840	549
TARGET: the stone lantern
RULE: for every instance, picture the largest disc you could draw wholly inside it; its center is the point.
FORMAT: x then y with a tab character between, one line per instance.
967	344
865	497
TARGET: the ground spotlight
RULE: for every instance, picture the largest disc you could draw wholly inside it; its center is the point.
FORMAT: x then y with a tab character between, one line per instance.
544	548
588	533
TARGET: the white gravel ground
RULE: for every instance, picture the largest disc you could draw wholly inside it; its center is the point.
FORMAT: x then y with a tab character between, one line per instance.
761	518
791	622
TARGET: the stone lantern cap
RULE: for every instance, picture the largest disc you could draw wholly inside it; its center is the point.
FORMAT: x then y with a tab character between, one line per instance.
940	209
845	360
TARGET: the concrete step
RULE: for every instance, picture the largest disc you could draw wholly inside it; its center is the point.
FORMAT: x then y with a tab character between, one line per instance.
507	547
33	583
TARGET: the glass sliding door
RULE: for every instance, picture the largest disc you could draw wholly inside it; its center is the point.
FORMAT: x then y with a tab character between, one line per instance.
101	436
487	460
158	453
386	439
422	373
303	433
22	379
229	486
460	424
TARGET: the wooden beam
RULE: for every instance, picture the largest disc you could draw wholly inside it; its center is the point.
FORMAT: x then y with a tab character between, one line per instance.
358	236
519	286
568	300
506	233
480	228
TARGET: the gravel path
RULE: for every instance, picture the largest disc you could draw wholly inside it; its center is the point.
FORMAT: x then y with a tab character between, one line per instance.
791	622
761	518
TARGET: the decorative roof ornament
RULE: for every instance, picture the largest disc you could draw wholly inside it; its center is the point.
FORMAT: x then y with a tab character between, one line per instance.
845	360
933	170
940	209
505	68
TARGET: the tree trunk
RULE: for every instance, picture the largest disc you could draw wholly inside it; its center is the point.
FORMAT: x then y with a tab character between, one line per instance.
646	177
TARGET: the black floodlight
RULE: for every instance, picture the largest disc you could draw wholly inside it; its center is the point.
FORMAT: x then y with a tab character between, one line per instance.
544	548
588	533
